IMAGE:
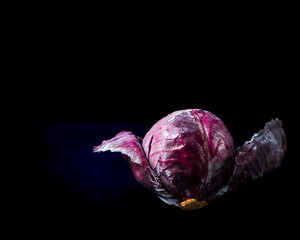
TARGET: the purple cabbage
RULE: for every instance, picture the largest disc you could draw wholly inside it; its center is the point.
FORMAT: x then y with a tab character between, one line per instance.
188	158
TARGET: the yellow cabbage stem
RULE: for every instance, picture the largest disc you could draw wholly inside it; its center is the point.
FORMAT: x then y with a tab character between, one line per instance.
192	204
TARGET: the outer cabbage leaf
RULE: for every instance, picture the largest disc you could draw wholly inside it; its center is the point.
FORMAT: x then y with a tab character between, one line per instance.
130	147
257	157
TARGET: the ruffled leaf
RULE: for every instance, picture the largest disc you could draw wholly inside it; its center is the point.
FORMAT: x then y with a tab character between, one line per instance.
261	155
132	151
257	157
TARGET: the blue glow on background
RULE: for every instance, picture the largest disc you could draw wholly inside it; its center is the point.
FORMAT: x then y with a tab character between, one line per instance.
75	173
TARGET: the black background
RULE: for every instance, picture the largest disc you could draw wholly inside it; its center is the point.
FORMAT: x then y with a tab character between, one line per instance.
124	74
